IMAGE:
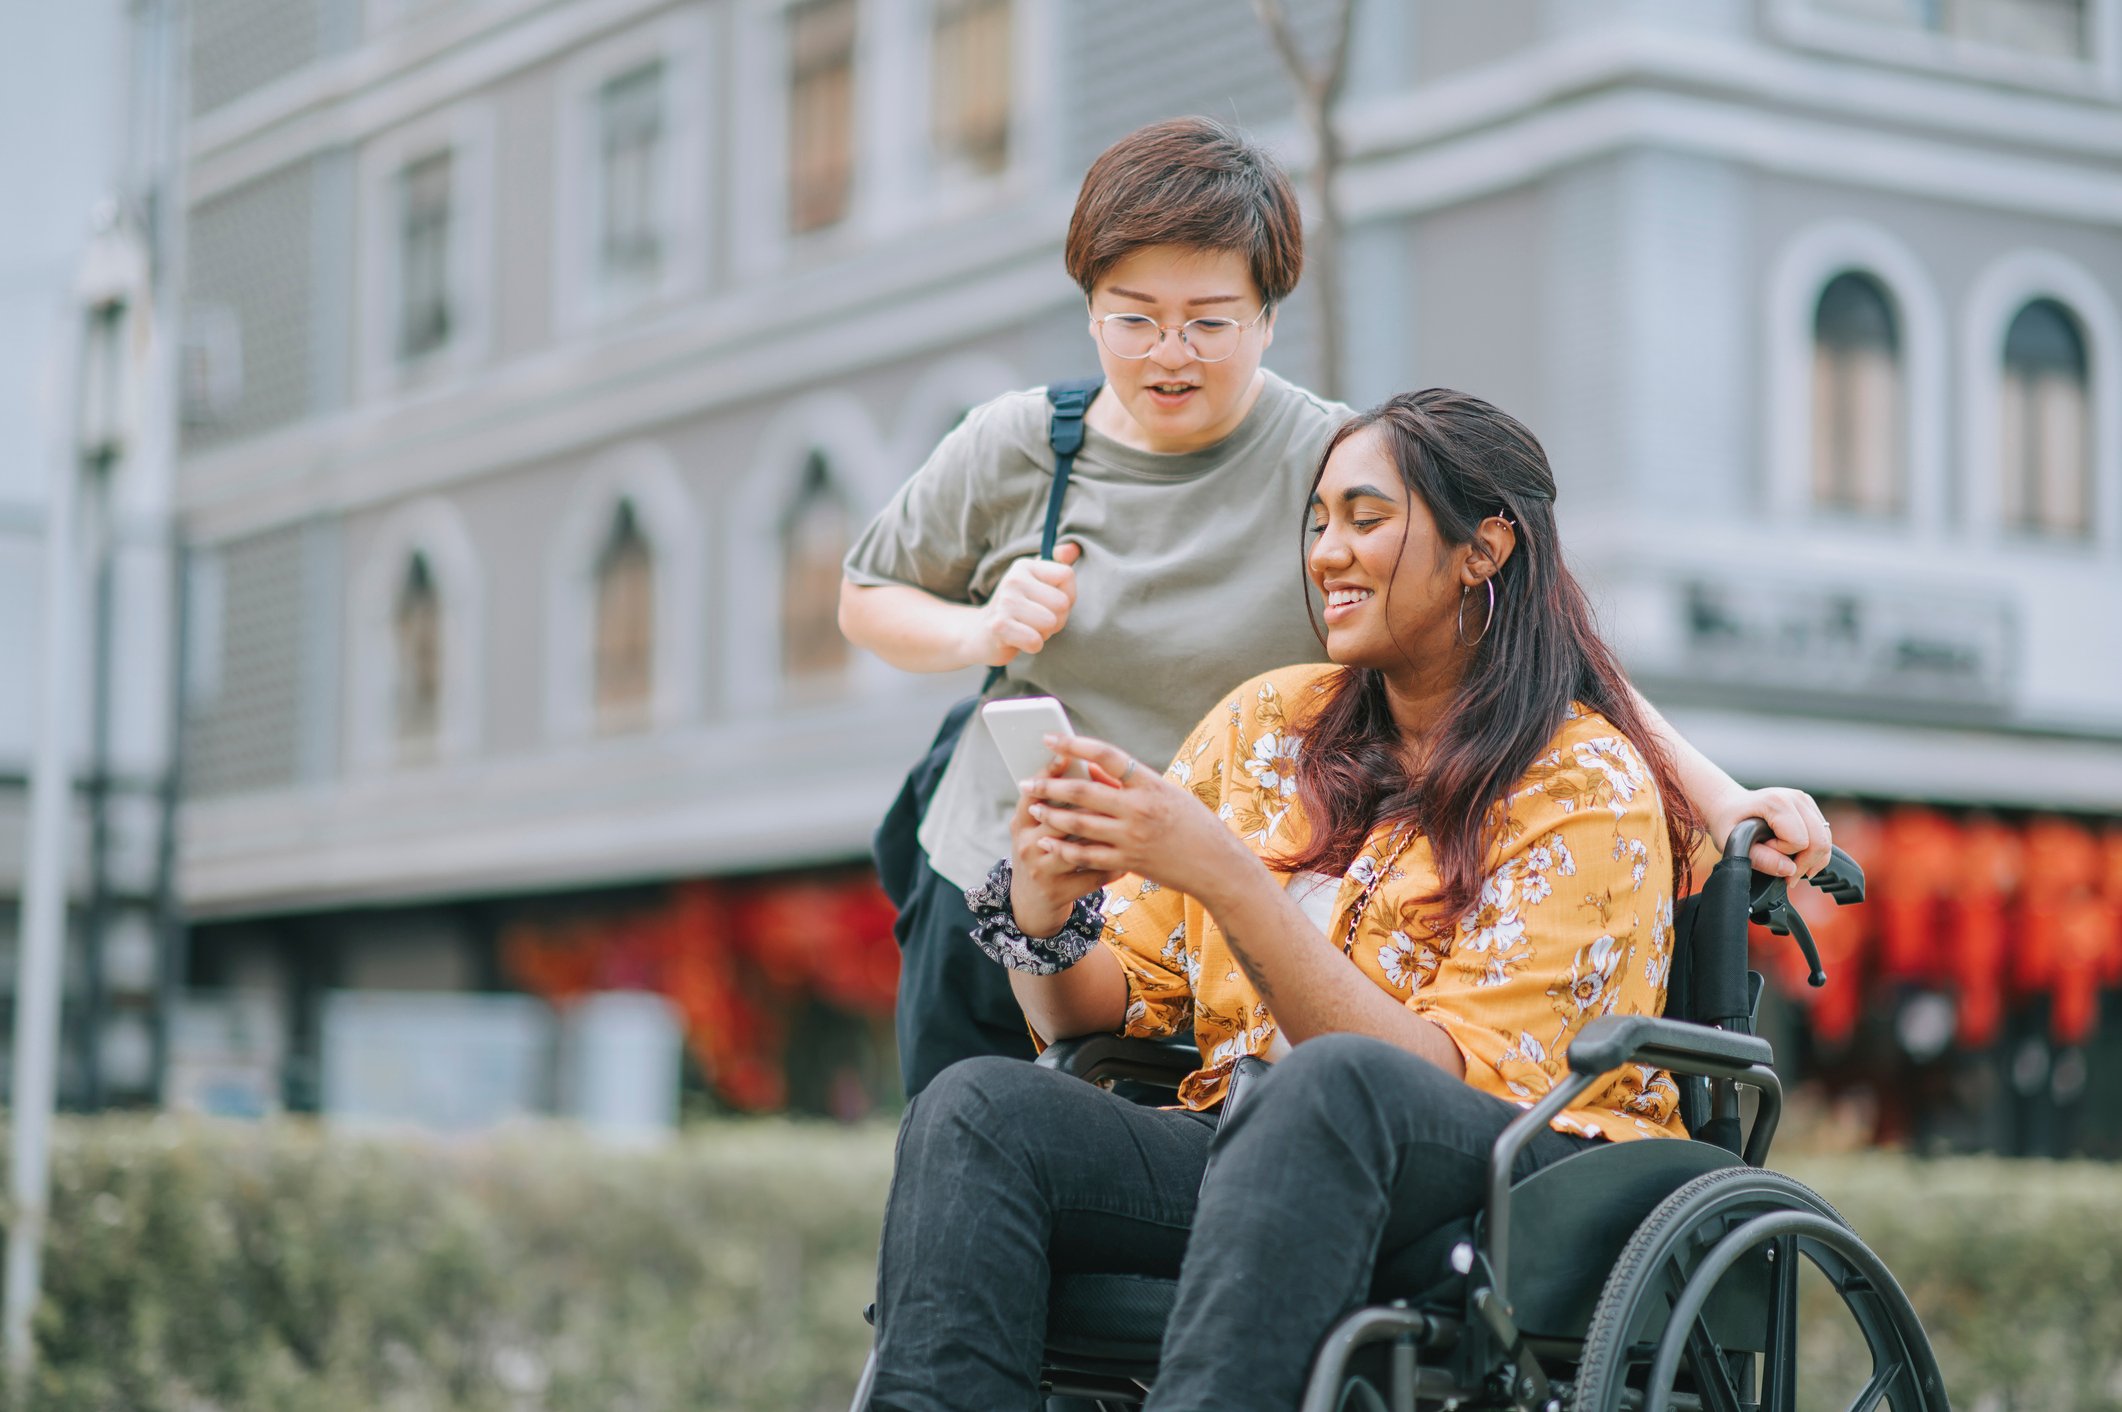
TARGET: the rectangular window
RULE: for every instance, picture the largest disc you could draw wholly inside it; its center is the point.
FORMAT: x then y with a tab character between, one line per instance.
970	88
631	120
423	256
2048	29
821	112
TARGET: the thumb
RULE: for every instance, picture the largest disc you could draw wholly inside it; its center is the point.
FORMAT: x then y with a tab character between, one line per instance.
1068	553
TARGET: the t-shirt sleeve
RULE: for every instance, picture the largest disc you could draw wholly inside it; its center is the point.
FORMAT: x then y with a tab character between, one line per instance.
1574	921
935	530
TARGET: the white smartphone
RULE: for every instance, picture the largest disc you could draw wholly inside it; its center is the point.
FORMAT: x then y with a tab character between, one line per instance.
1019	726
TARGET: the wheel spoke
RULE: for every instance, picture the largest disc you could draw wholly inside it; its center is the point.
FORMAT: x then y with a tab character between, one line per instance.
1882	1380
1779	1365
1712	1374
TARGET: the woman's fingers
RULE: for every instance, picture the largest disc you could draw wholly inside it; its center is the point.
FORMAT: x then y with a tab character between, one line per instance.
1802	841
1083	856
1073	793
1109	758
1075	823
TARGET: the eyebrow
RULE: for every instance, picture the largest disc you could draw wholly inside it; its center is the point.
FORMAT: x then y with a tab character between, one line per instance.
1204	299
1355	493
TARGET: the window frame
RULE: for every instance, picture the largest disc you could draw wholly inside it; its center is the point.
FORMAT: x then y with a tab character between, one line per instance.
1802	25
467	131
645	475
1808	261
897	191
2005	286
434	529
683	44
836	425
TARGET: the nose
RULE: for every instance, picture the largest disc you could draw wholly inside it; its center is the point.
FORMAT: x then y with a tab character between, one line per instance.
1172	351
1328	552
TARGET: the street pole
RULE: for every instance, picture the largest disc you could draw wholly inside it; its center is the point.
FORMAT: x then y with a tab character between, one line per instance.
101	527
111	290
40	963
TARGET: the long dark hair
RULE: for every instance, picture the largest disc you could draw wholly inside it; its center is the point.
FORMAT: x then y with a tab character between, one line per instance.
1467	460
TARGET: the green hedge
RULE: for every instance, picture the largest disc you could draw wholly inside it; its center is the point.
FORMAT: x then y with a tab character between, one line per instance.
196	1267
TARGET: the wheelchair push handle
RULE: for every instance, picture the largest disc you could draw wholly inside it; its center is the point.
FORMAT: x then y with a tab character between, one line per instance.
1768	898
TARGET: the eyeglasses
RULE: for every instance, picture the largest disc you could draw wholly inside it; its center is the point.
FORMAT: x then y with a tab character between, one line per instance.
1137	335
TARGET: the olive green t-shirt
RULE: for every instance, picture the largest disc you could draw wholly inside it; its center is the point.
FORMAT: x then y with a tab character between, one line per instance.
1191	579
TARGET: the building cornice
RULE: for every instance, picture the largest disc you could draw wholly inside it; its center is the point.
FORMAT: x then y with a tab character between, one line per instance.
767	791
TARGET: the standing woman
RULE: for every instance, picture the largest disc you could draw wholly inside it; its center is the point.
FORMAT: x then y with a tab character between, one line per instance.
1171	578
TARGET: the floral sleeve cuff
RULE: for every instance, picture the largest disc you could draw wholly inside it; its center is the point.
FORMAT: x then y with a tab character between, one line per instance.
995	928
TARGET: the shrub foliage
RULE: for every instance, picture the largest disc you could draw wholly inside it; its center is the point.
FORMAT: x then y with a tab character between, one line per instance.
196	1266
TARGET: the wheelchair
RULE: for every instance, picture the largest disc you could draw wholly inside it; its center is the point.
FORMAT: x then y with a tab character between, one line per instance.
1661	1274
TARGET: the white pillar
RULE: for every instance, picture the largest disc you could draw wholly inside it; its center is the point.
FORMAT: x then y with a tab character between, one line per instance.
40	962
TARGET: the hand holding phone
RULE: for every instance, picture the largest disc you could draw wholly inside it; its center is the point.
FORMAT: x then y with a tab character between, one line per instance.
1020	726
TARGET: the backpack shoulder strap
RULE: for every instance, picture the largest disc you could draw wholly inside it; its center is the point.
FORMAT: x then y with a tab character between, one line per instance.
1064	432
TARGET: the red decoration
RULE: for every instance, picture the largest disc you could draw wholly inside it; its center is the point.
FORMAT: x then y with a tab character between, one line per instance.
734	957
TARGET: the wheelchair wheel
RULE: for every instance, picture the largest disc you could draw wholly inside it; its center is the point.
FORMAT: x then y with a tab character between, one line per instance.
1704	1299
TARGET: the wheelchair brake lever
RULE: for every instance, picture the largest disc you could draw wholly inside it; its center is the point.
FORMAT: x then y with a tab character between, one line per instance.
1770	907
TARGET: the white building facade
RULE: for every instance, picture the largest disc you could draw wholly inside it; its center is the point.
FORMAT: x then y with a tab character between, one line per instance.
540	356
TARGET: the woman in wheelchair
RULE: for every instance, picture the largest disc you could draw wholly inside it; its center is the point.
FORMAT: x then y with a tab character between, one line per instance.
1420	871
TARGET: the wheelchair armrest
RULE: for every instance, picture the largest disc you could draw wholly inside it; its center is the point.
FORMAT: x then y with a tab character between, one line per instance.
1104	1058
1610	1041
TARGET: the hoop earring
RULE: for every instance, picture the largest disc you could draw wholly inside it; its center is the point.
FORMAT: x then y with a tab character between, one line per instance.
1486	624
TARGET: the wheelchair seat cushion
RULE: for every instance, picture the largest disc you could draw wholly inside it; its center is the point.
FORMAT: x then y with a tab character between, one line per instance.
1108	1323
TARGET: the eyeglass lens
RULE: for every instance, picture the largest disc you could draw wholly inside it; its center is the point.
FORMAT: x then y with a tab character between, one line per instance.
1137	336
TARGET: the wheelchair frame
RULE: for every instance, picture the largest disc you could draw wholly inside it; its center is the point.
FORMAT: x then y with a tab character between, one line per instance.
1727	1213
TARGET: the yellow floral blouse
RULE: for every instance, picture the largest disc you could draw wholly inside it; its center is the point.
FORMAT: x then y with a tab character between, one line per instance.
1574	921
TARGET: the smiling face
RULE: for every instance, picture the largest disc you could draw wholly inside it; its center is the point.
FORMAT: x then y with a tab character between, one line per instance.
1391	584
1171	401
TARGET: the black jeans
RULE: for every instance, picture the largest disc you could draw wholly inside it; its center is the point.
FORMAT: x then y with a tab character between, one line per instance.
1343	1153
954	1003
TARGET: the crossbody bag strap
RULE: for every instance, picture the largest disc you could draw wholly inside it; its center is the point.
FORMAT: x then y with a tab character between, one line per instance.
1068	402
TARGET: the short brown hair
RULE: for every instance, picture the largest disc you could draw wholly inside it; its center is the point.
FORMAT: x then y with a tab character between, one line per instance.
1191	182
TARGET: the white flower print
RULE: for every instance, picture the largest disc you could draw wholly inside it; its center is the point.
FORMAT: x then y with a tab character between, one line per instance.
1637	852
1407	963
1613	758
1591	978
1244	1042
1523	1066
1182	957
1273	765
1493	933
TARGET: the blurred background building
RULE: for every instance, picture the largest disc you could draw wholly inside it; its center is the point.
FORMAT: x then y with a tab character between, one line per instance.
540	358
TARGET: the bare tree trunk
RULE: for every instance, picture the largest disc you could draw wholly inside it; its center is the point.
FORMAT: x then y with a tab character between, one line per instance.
1318	91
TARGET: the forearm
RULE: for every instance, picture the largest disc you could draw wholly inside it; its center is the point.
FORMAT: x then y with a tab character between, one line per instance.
912	630
1309	987
1089	997
1706	784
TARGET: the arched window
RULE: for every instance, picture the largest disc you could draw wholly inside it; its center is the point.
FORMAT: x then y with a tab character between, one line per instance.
1859	455
626	624
814	539
416	623
2044	424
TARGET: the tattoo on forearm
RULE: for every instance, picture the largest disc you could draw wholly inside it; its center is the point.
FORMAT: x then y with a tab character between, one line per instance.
1261	986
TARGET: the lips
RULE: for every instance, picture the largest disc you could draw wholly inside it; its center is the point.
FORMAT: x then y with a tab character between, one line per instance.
1341	602
1170	394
